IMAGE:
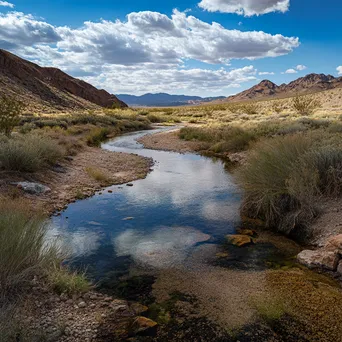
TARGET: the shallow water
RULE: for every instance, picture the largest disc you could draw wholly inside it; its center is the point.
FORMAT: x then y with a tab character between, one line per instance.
187	199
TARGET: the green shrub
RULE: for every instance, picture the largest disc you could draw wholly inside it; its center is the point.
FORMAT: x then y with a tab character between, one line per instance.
250	108
10	111
29	153
284	177
154	118
97	136
305	105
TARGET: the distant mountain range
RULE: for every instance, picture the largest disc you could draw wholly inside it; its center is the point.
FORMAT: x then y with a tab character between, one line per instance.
41	87
164	100
309	84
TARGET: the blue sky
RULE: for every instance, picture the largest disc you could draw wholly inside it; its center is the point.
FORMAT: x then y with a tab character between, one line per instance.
208	47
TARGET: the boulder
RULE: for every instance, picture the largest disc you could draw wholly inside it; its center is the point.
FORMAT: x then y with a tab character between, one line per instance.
239	240
334	244
249	232
143	326
319	258
33	188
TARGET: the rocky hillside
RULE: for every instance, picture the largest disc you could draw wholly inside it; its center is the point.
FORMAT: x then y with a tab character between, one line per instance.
49	87
311	83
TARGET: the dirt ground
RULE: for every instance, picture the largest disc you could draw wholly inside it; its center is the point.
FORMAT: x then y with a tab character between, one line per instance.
72	180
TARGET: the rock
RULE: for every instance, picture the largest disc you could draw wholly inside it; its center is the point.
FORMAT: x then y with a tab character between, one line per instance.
58	168
143	326
239	240
319	258
82	305
339	268
69	158
248	232
33	188
128	219
138	308
110	191
334	244
129	184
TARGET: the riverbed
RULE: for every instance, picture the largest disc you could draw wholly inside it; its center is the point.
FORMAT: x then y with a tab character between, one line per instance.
161	241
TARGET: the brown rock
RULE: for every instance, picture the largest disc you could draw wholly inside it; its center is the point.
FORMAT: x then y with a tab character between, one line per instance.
339	268
319	258
143	326
334	244
248	232
239	240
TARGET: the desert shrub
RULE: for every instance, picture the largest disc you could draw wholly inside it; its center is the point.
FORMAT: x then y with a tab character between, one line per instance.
97	135
292	128
155	118
284	177
277	107
335	127
250	108
305	105
10	111
23	249
29	153
62	280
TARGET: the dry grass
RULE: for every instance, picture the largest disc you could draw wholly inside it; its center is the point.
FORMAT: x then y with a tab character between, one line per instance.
98	175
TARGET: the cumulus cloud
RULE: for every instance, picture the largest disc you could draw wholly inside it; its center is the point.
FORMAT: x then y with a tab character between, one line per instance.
266	73
245	7
146	46
6	4
291	71
339	70
301	67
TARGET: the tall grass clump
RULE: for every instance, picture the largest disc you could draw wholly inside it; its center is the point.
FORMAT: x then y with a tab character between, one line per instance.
97	135
286	176
28	153
23	251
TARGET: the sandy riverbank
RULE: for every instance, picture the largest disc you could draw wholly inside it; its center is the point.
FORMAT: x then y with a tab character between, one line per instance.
72	181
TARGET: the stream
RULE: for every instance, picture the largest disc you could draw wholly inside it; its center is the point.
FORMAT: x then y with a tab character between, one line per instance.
160	241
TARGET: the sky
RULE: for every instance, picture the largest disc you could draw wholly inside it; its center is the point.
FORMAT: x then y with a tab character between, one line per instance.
193	47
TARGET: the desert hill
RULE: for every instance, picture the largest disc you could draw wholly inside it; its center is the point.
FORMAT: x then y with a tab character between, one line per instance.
49	87
309	84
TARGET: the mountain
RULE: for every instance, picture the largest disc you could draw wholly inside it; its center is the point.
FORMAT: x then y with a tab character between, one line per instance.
309	84
49	86
164	100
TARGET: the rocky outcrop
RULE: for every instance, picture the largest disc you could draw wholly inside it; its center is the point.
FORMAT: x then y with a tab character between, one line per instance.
50	86
311	83
329	257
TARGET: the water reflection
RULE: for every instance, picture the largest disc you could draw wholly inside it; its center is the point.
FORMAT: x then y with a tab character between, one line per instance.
184	190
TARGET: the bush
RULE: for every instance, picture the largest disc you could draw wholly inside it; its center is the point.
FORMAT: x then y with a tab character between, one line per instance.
250	108
10	111
23	250
305	105
284	177
28	153
98	175
154	118
97	136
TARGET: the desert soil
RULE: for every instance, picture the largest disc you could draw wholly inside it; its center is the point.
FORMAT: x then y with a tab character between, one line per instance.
73	182
169	141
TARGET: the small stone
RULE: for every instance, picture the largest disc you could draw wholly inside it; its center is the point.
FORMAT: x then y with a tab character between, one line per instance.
138	308
248	232
92	306
82	305
110	191
222	255
339	268
129	184
128	219
239	240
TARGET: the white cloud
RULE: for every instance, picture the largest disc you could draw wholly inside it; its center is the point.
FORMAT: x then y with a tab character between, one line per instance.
245	7
301	67
148	51
339	70
6	4
266	73
291	71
